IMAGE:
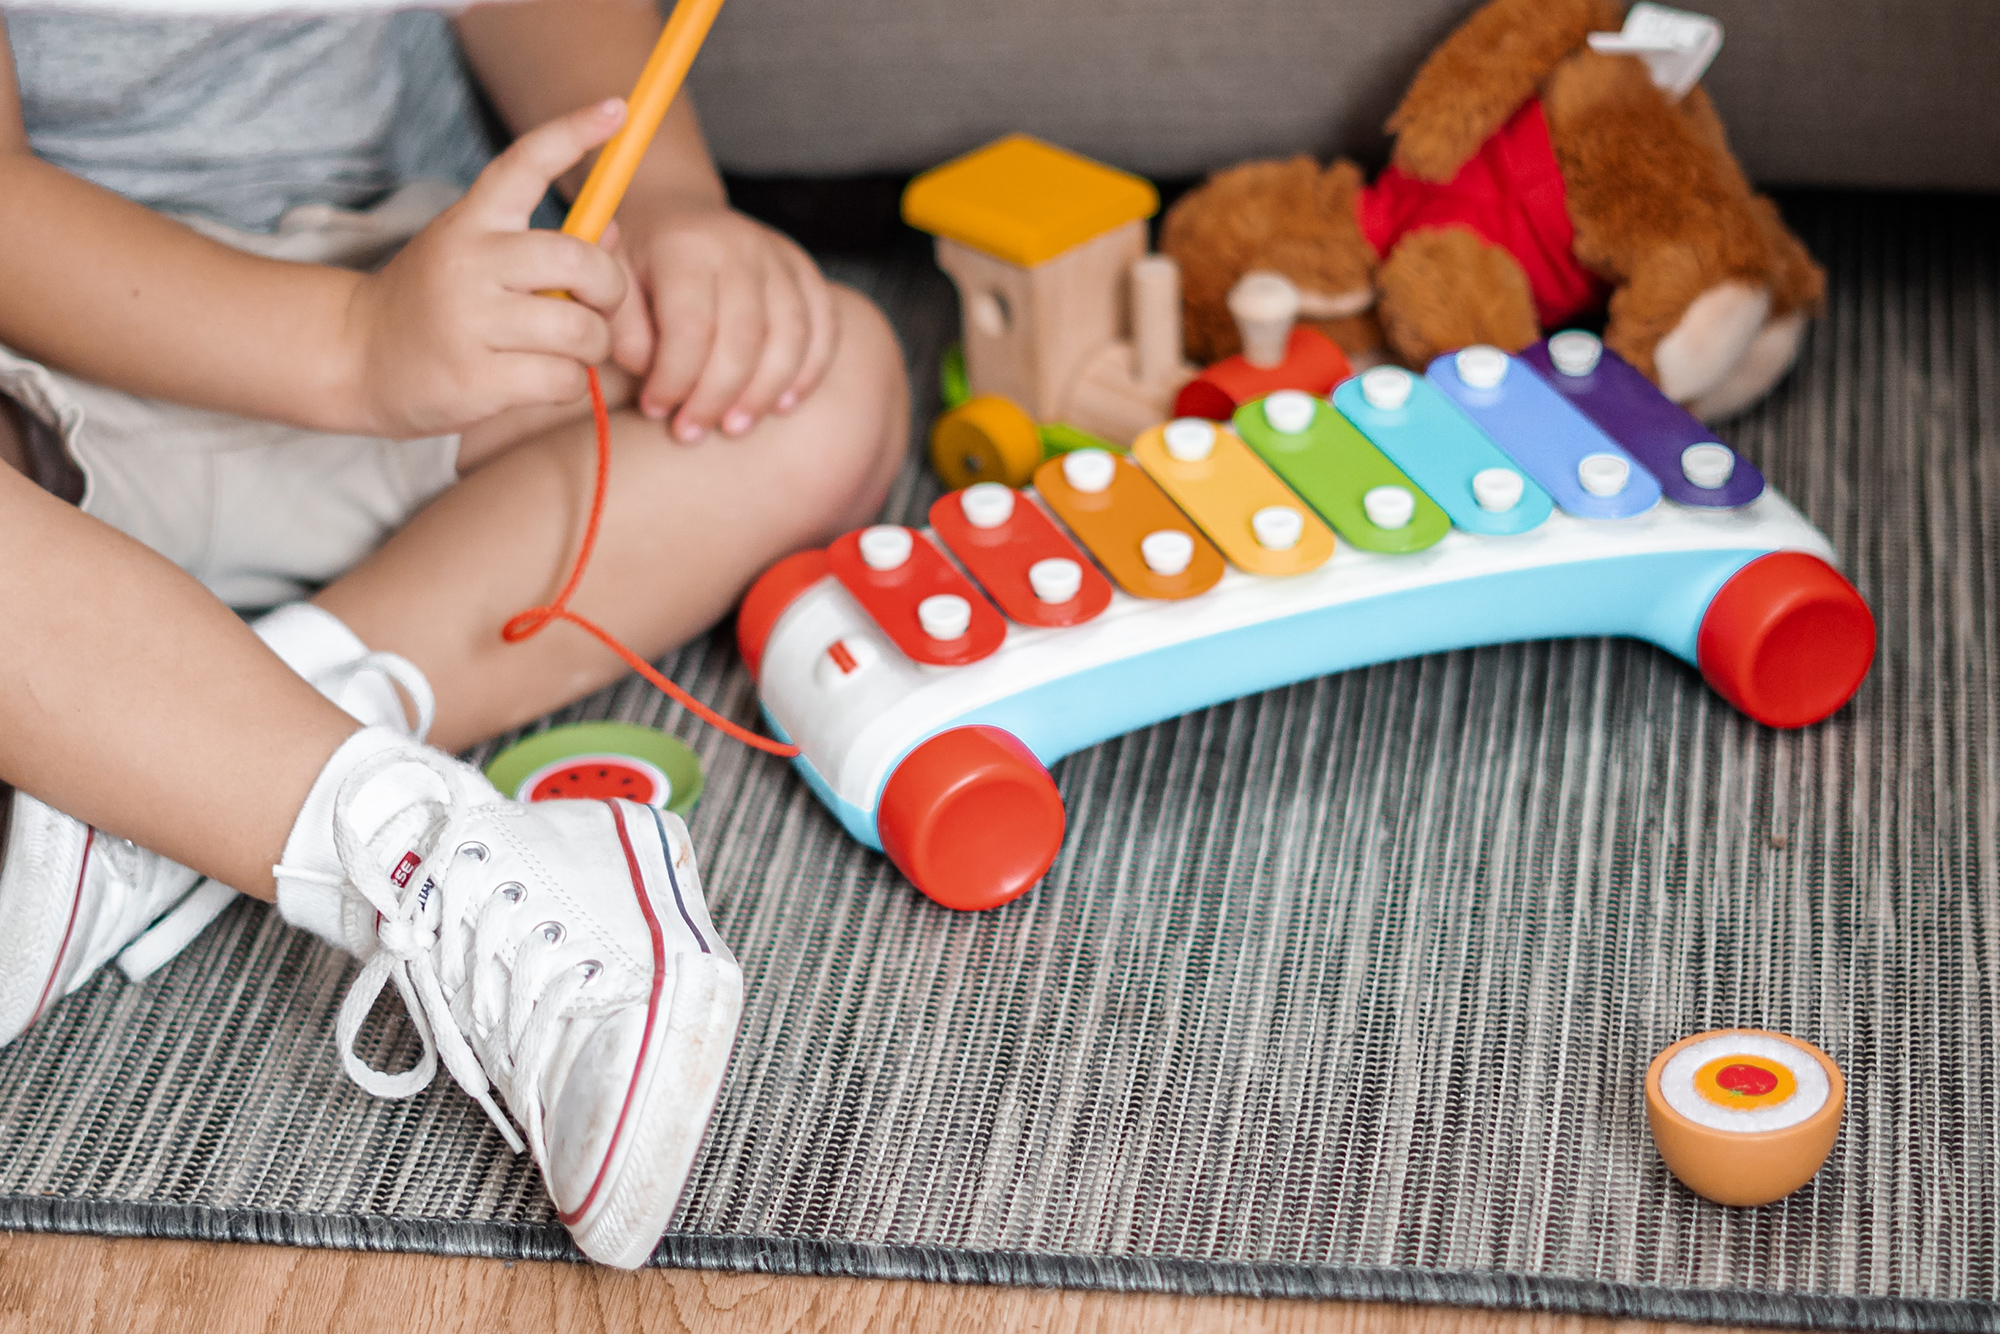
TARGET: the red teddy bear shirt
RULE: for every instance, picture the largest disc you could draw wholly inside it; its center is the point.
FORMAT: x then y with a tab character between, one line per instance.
1510	194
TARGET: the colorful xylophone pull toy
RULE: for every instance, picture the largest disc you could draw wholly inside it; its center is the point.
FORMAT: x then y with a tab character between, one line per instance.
928	678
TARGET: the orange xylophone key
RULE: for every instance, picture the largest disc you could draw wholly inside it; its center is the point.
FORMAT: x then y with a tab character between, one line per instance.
1138	535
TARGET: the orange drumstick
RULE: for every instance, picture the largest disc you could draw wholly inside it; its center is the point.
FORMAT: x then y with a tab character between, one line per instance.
665	70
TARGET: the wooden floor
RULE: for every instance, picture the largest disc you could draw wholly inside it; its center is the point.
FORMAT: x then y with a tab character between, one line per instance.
68	1283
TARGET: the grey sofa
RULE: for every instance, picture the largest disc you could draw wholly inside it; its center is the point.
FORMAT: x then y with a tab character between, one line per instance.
1881	93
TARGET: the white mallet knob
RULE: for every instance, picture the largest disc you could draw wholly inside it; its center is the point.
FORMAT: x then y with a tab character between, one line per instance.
886	546
1481	366
1386	387
1190	439
986	504
1167	551
1497	489
1055	580
1575	352
1389	506
1289	412
1708	465
1603	474
944	616
1089	470
1278	527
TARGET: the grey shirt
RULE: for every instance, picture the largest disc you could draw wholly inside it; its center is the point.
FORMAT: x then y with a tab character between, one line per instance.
239	119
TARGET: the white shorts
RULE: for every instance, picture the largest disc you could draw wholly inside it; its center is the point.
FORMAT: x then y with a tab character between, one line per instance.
259	512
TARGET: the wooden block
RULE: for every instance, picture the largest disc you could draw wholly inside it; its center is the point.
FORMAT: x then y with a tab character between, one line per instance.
1030	331
1156	317
1110	400
1024	202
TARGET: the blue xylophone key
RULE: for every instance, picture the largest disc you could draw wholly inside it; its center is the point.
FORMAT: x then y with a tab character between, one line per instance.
1454	462
1694	467
1590	475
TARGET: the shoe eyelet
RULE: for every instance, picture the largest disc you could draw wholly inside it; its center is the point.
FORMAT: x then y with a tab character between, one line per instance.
590	968
552	932
476	851
513	891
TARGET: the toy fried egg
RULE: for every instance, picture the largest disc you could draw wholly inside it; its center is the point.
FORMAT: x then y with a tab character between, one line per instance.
1742	1116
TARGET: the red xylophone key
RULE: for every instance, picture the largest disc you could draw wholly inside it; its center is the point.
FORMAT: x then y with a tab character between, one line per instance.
1016	552
926	607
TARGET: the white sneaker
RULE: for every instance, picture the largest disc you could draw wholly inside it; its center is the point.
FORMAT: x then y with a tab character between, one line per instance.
558	952
126	901
72	897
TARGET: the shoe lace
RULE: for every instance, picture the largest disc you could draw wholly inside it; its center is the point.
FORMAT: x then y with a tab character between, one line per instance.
487	1000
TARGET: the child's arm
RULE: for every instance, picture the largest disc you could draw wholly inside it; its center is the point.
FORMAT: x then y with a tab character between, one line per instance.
731	320
448	333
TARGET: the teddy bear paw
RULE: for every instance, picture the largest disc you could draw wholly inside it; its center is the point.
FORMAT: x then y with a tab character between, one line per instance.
1770	354
1711	338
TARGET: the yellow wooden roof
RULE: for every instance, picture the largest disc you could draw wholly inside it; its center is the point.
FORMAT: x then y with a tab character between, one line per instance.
1025	201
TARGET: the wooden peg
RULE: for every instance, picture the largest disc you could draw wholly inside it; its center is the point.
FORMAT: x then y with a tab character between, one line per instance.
1156	317
1264	305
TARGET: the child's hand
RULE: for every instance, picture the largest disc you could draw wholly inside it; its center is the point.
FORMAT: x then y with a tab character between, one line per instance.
452	330
742	324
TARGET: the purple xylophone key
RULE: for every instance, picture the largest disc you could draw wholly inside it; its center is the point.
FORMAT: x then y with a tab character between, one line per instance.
1656	430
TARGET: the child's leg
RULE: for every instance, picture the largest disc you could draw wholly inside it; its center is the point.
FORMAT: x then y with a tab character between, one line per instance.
13	442
134	701
130	698
686	528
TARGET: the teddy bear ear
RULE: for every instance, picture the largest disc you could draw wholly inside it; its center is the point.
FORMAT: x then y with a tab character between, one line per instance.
1482	73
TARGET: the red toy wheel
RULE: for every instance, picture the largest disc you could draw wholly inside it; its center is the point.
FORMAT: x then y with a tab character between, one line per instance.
1787	640
971	817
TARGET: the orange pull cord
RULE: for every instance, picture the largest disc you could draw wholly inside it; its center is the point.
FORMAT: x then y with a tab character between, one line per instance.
533	621
661	79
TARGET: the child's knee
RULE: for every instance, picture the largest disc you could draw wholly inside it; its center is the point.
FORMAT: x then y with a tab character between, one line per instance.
858	419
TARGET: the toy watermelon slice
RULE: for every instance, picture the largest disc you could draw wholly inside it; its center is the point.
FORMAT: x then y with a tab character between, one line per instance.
589	777
592	761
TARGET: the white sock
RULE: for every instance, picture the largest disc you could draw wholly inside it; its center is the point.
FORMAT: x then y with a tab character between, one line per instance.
313	889
318	646
310	879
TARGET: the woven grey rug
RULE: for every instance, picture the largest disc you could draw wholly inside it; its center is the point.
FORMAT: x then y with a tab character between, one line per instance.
1345	990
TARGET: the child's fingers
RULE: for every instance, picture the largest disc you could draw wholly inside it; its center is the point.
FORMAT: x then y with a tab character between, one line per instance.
526	379
823	331
550	327
542	261
684	315
741	328
507	192
784	351
632	339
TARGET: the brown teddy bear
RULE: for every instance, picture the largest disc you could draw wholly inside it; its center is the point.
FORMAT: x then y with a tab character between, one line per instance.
1534	181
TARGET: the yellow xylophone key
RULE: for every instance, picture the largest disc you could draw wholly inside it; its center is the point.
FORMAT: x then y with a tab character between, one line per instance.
1261	526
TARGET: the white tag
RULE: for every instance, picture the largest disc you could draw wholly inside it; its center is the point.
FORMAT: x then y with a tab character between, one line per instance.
1677	46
